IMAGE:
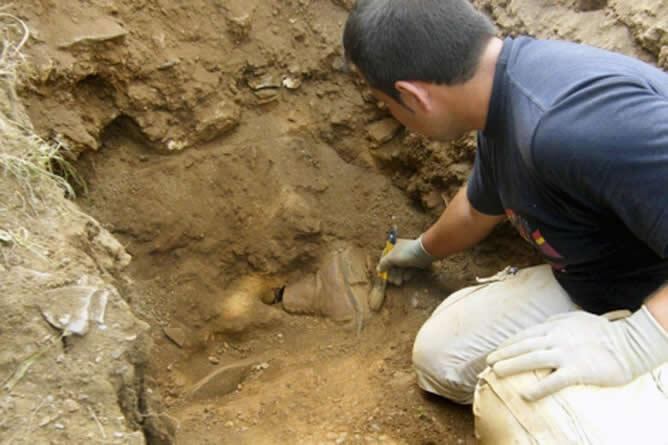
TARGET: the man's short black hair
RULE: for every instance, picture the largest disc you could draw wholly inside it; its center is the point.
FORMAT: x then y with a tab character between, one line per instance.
437	41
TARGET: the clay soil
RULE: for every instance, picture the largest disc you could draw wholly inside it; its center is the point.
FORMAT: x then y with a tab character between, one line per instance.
195	227
226	148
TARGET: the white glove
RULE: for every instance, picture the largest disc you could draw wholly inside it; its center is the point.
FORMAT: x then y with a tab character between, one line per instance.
582	348
406	253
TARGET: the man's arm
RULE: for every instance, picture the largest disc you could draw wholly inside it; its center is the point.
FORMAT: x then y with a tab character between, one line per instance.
459	227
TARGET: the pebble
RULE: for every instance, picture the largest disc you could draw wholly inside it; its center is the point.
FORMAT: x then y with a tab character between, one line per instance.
118	435
261	366
214	360
70	405
291	83
59	426
176	334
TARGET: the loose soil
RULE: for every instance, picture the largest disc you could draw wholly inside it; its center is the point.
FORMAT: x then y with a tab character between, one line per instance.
226	148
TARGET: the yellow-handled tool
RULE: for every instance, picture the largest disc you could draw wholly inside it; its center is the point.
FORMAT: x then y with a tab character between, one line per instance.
377	294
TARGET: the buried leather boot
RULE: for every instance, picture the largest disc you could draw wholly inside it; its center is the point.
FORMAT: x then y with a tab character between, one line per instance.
338	290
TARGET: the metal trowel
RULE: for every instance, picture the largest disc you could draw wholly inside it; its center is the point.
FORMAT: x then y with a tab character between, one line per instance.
377	294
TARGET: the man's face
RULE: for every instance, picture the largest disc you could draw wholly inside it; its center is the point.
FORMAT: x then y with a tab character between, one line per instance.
436	123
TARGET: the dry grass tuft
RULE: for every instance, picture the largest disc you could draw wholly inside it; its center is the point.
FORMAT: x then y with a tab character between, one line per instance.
24	156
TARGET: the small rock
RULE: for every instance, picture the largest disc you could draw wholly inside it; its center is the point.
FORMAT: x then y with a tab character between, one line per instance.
59	426
176	334
223	380
118	435
88	33
70	405
291	83
432	199
239	26
383	130
45	421
263	82
262	366
176	145
214	360
338	64
266	95
216	121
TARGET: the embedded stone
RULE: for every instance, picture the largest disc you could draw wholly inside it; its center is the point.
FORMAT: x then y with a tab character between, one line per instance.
383	130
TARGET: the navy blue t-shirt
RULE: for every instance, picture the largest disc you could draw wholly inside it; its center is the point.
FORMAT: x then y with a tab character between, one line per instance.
575	153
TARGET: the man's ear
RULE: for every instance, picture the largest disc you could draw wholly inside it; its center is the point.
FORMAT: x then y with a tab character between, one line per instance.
414	95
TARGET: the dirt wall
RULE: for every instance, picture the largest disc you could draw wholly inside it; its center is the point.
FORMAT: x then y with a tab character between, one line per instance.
73	355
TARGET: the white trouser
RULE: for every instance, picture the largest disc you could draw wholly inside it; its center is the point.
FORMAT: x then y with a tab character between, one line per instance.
452	345
449	355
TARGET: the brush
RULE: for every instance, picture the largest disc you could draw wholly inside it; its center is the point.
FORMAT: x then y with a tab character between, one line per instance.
377	294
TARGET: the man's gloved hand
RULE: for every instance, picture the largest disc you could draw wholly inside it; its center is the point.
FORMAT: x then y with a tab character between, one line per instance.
583	348
406	253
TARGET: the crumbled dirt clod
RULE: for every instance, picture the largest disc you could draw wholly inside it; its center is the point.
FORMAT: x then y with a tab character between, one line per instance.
383	130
